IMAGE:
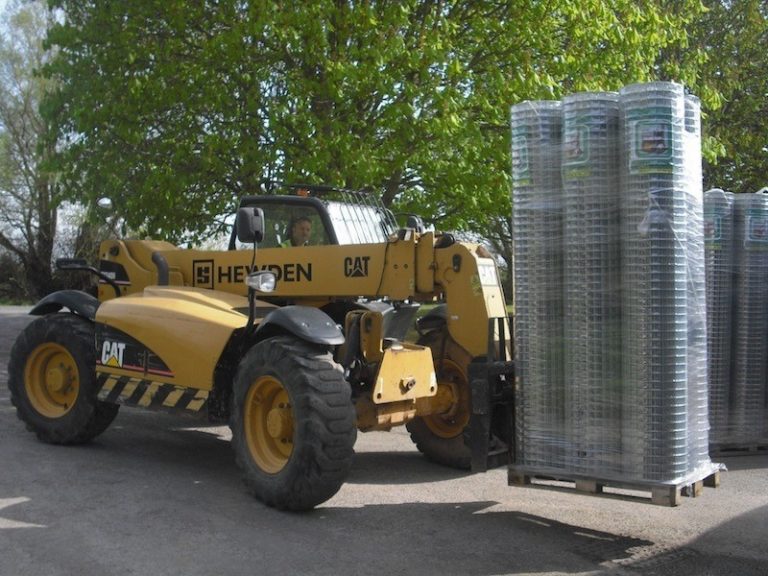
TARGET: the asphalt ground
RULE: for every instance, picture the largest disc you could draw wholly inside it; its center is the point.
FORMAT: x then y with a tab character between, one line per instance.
157	495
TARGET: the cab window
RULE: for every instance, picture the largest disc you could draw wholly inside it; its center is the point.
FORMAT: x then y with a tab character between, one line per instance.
293	225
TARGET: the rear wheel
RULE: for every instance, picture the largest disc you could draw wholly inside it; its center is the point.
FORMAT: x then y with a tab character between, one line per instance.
293	423
52	380
440	437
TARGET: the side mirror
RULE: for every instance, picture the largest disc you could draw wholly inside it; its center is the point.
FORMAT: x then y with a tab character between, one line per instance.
250	224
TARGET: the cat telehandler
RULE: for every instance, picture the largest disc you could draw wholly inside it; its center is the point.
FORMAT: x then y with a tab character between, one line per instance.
296	346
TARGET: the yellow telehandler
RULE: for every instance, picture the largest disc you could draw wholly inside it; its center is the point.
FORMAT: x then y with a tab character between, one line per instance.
297	345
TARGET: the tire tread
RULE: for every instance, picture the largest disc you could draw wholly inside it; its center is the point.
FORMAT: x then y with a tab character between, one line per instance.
89	417
325	424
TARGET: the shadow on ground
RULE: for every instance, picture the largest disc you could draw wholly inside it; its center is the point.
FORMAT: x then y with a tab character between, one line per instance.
386	468
153	479
751	462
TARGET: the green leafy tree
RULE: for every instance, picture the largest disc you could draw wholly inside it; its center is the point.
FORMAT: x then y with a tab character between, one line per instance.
734	35
28	200
177	108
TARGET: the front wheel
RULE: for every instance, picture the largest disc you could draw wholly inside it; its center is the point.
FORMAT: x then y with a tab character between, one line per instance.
52	380
293	423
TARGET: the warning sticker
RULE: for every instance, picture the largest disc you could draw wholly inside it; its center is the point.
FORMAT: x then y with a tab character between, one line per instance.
487	274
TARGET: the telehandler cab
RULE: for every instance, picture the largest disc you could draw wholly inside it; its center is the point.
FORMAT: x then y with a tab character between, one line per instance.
295	346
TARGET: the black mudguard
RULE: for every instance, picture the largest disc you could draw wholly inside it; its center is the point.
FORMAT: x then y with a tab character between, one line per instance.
304	322
435	319
81	303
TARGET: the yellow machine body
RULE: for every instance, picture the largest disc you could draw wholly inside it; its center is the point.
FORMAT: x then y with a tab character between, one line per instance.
296	346
403	268
178	334
206	289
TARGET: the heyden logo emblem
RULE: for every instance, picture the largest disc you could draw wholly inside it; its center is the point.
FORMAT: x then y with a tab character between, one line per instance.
112	353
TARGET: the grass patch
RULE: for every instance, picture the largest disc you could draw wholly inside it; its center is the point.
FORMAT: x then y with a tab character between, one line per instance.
15	302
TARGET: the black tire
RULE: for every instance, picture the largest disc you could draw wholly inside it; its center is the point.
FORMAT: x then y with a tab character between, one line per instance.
74	416
451	452
318	441
447	448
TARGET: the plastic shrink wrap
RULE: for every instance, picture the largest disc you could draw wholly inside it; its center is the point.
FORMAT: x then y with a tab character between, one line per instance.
719	243
537	220
611	348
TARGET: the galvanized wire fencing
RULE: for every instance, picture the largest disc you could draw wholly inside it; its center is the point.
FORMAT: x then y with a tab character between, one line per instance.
610	285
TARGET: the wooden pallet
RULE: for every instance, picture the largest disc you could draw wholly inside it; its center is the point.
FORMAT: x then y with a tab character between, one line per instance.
662	494
738	449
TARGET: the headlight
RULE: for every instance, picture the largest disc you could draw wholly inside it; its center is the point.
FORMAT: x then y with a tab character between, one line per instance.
262	281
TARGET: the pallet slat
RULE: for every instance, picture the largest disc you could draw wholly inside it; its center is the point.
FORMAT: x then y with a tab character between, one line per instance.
738	449
661	494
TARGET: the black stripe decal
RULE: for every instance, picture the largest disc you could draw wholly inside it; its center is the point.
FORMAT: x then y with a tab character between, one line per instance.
186	398
101	379
141	387
161	395
115	393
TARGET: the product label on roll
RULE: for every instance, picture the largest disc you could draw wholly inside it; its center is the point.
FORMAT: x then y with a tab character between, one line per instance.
520	168
651	148
576	152
756	230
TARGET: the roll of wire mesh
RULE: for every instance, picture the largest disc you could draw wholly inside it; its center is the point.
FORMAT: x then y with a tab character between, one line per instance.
719	247
537	224
750	327
654	278
698	398
592	283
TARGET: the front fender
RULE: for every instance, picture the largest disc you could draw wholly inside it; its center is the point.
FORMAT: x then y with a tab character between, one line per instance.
79	302
305	322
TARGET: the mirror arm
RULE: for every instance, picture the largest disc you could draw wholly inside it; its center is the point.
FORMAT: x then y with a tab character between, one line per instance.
249	327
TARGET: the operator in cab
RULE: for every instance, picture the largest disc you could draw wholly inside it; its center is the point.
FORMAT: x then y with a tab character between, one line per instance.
300	231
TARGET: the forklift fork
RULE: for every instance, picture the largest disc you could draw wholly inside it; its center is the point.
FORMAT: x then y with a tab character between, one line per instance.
492	381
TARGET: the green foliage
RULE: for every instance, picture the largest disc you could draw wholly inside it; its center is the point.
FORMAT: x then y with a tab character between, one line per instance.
10	274
175	108
734	35
28	200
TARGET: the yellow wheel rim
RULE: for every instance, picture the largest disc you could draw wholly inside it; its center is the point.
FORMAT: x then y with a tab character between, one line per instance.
451	385
268	422
52	380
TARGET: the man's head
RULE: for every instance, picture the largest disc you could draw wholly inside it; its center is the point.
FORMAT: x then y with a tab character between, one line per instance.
301	228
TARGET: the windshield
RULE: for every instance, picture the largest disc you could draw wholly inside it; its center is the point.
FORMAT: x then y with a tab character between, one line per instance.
360	223
330	216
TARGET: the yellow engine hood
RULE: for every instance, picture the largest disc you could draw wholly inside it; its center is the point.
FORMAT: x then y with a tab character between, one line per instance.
170	334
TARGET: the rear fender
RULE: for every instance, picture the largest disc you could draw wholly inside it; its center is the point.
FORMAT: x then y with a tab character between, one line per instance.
435	319
81	303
